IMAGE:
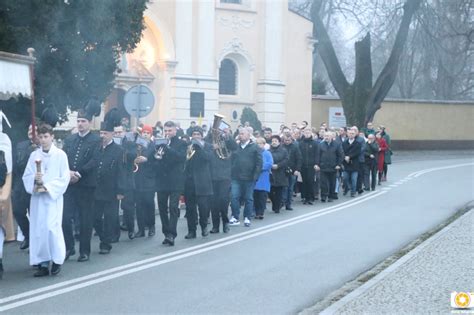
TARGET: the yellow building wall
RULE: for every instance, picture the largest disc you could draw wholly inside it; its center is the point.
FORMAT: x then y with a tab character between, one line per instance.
413	120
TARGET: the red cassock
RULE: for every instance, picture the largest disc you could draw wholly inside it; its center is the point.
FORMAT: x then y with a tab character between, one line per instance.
383	147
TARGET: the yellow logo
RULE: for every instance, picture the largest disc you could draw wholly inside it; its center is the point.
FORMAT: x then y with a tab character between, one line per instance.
462	299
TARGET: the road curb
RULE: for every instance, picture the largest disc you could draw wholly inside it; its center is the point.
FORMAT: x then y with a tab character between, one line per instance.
333	308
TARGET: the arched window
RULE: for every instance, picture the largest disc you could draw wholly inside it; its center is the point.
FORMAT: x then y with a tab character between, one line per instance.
228	77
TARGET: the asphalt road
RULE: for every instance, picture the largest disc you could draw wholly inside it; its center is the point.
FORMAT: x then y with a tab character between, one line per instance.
279	265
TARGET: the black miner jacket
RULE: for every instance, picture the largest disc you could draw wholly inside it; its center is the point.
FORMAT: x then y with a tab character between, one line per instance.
169	171
247	163
80	152
21	154
330	156
198	172
220	168
109	174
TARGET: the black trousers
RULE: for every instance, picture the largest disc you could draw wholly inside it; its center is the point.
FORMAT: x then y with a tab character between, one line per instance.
80	198
307	189
370	175
106	216
220	202
20	207
360	178
168	205
193	204
276	195
328	185
259	201
128	206
145	201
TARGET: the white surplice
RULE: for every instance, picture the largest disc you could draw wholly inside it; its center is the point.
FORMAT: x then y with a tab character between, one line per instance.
46	209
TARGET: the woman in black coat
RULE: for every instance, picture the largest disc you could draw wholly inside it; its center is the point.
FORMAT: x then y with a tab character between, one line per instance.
278	178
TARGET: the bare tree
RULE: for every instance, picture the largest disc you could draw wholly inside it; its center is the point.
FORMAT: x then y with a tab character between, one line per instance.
362	98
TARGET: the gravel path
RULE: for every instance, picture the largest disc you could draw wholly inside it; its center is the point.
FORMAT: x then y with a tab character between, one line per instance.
422	281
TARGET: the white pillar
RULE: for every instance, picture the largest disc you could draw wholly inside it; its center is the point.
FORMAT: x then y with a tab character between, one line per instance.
271	90
184	40
206	36
273	39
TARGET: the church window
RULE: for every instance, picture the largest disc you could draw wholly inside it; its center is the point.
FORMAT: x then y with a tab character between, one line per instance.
228	77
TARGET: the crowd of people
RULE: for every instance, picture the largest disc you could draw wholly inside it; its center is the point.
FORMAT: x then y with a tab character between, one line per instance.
60	196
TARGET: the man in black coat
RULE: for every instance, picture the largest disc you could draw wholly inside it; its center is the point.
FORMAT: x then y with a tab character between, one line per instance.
246	167
80	149
110	178
370	165
309	153
330	161
221	172
170	181
20	198
198	183
294	168
352	150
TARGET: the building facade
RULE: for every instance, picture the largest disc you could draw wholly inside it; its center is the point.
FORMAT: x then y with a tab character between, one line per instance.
220	56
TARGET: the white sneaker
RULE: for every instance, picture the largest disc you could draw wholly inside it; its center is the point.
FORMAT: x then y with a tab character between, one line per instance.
234	221
247	222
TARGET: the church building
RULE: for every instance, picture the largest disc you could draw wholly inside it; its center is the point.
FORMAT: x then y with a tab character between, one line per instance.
219	56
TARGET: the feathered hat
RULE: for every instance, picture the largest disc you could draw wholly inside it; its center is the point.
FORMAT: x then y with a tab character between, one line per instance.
50	116
111	119
91	109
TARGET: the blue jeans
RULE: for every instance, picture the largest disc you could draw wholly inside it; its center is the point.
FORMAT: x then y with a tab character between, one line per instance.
288	191
353	183
241	190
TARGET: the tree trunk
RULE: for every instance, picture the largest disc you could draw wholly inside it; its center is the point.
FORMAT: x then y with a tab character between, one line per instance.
389	72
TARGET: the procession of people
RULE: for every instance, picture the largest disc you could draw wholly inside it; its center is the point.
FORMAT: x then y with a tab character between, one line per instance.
60	196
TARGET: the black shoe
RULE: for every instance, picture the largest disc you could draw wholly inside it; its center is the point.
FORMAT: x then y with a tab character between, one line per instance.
190	235
131	235
123	227
361	192
309	202
226	228
151	231
104	251
170	240
344	193
204	232
335	197
55	269
323	199
305	202
42	271
70	253
353	194
214	230
25	244
367	189
289	208
83	257
140	233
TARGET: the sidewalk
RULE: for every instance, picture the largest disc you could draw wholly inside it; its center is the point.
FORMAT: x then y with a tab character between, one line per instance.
420	282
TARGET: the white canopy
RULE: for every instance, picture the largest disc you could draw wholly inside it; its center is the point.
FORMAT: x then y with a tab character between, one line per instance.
14	75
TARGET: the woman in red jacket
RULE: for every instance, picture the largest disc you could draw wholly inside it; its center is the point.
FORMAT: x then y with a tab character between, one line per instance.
382	148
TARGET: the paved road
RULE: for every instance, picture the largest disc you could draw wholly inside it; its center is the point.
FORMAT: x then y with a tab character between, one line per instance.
280	265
